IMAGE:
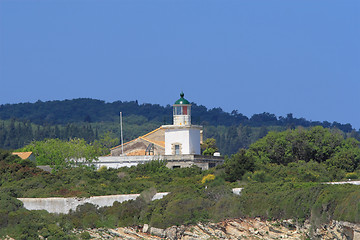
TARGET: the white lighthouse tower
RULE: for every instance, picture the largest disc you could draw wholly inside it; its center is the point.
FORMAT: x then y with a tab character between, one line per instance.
182	138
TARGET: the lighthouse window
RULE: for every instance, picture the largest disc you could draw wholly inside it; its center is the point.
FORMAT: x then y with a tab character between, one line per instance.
177	150
177	110
182	110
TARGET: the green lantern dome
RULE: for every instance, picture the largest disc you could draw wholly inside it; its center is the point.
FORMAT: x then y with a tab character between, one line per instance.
182	100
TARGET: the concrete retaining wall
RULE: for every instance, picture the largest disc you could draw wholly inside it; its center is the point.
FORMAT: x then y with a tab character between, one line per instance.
346	182
64	205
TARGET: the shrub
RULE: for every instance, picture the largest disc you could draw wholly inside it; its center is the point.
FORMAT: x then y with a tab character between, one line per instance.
207	178
85	235
352	175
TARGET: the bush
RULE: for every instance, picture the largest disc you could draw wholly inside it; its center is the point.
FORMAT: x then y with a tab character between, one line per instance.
207	178
320	202
352	176
85	235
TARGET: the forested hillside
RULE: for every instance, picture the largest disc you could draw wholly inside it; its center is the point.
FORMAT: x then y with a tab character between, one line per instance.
90	119
282	175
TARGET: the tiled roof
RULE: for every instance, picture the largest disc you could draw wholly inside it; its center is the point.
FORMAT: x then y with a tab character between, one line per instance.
23	155
144	137
159	143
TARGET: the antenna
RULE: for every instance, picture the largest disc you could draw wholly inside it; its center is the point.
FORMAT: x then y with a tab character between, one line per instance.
121	135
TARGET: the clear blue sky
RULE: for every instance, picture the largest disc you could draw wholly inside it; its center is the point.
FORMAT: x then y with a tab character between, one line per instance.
279	56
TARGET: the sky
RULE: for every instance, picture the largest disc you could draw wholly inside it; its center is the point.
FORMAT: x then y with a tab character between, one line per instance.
276	56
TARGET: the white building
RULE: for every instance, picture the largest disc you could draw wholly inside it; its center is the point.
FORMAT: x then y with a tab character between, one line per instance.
178	144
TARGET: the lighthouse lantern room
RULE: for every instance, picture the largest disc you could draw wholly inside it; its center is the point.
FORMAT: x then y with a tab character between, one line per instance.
182	112
182	137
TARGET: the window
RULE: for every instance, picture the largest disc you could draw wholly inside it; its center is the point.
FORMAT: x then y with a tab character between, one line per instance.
177	110
177	150
175	167
182	110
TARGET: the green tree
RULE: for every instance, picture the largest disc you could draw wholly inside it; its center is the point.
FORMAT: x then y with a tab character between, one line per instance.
209	147
316	144
104	144
346	156
58	153
237	165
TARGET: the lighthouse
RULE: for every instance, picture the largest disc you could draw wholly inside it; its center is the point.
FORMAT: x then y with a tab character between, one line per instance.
178	144
182	138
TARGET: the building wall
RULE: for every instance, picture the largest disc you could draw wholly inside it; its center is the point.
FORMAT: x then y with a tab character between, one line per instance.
182	120
194	139
124	161
178	136
204	162
187	137
172	165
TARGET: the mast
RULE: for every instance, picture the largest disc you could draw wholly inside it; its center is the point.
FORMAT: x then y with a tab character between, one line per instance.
121	135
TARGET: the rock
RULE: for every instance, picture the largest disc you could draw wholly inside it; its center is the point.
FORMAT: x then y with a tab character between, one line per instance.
114	233
171	233
187	233
348	232
234	229
145	228
157	232
180	231
220	234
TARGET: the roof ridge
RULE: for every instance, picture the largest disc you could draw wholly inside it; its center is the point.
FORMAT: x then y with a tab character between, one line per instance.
152	132
141	137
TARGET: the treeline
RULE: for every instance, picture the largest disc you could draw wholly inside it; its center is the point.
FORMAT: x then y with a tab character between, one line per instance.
90	119
16	134
92	110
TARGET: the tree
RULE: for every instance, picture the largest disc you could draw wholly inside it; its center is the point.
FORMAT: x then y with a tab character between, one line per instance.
209	147
60	154
347	156
315	144
104	144
237	165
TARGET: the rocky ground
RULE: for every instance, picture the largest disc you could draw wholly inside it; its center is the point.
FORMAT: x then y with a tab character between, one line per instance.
234	229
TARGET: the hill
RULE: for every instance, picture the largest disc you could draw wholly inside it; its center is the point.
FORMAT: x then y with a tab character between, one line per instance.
282	175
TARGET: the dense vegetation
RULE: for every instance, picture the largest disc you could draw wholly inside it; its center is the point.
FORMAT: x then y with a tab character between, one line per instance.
90	119
282	176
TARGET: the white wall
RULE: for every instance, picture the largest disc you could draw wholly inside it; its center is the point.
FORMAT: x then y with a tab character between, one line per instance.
182	120
124	161
64	205
194	139
177	135
188	137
